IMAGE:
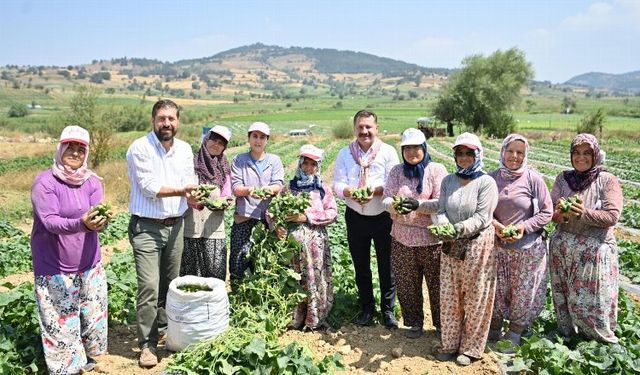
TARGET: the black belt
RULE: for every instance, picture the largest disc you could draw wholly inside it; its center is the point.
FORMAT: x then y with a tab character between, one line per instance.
168	221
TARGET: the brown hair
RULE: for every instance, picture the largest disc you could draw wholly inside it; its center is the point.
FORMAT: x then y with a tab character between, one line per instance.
164	103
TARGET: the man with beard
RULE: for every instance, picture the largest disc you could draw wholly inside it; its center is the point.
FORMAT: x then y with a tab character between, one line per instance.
162	177
366	162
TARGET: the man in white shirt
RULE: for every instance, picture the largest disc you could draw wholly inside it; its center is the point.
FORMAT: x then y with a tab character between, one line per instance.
367	162
162	175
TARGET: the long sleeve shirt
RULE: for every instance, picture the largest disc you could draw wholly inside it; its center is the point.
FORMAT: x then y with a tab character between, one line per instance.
60	242
151	167
468	207
516	205
410	229
602	201
347	174
245	173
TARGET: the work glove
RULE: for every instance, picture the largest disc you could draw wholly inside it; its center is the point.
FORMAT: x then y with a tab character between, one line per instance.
410	204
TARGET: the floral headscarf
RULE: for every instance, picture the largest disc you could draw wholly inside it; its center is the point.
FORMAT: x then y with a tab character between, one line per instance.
473	171
578	181
65	173
302	182
211	169
505	172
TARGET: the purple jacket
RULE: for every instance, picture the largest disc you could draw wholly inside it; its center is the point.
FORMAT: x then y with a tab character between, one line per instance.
60	242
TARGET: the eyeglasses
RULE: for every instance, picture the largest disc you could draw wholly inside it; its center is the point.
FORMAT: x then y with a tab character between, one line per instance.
465	153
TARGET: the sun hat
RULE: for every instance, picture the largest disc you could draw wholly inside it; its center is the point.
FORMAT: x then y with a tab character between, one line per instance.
75	133
469	140
412	137
260	127
312	152
222	131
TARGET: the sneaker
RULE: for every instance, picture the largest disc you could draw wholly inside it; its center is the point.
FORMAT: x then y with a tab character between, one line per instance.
463	360
148	357
90	366
443	357
414	332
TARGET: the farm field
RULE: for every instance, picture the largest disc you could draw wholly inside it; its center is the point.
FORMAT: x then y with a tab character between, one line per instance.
363	350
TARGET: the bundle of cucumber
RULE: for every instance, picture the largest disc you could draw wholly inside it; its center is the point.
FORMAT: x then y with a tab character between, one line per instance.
509	231
217	204
262	192
361	194
287	204
567	203
398	205
443	231
103	211
204	190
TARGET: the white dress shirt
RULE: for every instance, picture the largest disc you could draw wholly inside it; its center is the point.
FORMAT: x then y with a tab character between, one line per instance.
150	167
347	174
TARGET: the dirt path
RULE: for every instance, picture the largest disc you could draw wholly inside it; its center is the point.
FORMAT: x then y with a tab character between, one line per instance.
365	350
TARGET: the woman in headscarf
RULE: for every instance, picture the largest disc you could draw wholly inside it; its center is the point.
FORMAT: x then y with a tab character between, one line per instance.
415	254
313	261
70	282
583	250
467	200
205	252
521	259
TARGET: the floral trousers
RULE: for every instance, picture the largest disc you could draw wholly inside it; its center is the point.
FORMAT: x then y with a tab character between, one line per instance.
584	282
72	310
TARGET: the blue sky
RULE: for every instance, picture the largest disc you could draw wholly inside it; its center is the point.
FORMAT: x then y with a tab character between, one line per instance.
560	38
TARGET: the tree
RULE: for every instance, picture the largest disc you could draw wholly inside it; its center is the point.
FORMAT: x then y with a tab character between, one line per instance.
444	111
568	105
17	110
592	122
484	90
84	111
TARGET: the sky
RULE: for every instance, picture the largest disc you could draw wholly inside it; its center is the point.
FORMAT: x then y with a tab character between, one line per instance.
561	38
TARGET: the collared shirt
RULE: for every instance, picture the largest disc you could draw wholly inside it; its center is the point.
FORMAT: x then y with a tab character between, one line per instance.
347	173
245	173
151	167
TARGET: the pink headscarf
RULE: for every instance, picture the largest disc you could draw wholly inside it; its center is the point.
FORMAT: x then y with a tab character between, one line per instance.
579	181
74	177
510	174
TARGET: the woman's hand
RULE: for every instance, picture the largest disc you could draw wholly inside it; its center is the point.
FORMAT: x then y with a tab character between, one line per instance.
577	209
281	232
296	218
558	211
93	224
498	228
520	228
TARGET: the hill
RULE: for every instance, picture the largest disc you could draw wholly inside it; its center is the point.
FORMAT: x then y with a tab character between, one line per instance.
626	82
253	71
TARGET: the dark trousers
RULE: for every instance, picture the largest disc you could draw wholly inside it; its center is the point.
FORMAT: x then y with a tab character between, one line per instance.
361	230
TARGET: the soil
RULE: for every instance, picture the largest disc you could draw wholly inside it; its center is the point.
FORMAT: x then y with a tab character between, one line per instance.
365	350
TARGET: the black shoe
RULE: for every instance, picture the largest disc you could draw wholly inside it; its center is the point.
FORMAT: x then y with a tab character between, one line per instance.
365	318
390	320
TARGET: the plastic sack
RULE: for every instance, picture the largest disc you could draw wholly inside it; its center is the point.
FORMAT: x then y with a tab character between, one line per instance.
197	316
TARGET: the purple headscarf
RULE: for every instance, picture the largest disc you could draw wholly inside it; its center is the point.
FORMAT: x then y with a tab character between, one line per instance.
511	174
578	181
211	169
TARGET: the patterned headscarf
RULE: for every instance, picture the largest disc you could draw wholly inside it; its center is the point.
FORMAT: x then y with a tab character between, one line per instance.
473	171
302	182
211	169
71	176
505	172
578	181
417	170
